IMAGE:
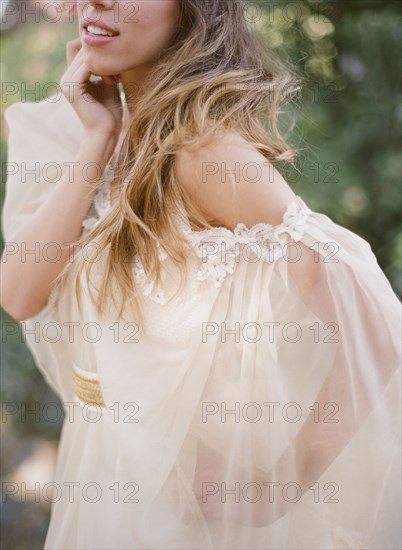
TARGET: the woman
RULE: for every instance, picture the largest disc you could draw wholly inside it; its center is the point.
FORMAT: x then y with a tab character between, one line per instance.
227	358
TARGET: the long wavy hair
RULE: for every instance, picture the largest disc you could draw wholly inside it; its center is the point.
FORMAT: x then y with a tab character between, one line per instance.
216	75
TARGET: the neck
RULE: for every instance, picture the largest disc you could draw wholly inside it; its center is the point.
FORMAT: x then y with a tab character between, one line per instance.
133	83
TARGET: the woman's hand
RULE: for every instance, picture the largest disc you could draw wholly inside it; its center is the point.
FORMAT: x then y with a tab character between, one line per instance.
97	104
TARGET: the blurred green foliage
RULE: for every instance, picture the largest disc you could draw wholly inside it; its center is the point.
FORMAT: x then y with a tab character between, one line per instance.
348	115
347	130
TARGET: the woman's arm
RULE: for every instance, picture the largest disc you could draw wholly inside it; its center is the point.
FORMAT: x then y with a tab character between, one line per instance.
27	278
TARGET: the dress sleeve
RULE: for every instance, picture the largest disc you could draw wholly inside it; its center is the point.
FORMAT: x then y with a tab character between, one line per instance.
43	138
300	413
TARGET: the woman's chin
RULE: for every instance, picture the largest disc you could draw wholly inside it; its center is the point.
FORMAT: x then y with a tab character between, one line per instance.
100	69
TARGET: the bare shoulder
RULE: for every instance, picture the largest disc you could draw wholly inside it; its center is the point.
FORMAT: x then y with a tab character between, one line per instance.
231	182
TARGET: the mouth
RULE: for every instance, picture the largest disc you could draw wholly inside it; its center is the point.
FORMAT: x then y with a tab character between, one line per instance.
98	35
99	31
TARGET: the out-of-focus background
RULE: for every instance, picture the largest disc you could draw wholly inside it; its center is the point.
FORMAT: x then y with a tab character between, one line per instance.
348	123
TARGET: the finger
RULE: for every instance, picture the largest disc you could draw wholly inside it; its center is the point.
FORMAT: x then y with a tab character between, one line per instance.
72	48
75	67
75	76
76	62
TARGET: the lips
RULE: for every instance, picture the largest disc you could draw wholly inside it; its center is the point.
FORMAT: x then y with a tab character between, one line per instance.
97	34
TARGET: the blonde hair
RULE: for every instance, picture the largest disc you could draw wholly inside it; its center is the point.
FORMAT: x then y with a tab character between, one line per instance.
216	75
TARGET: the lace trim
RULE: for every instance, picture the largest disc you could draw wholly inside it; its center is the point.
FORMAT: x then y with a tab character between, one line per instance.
221	248
218	248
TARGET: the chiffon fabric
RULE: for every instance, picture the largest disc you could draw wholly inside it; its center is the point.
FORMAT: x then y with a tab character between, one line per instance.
261	409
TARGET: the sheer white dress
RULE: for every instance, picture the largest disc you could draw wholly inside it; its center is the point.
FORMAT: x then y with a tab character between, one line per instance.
261	409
